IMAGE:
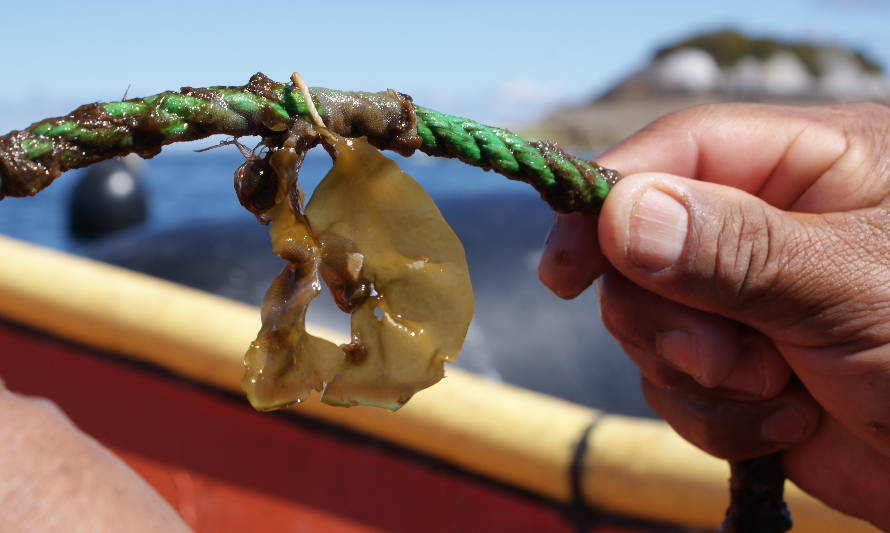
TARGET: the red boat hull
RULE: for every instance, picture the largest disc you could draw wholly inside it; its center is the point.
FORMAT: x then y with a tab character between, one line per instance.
227	468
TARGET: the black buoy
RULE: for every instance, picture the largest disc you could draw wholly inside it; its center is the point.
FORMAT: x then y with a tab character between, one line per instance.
108	198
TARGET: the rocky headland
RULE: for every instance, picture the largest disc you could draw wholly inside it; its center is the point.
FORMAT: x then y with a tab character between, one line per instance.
717	67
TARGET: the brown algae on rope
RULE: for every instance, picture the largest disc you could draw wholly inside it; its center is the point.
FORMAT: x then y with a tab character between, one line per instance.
32	158
388	258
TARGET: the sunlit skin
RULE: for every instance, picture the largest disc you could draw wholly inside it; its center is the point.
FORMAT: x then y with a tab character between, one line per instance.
56	479
744	265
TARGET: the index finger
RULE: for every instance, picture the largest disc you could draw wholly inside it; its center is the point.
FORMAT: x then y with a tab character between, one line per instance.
775	152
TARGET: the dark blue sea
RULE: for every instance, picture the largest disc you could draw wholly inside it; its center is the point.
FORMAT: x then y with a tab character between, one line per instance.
199	235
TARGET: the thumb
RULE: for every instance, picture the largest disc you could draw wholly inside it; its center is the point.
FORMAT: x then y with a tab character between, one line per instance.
718	249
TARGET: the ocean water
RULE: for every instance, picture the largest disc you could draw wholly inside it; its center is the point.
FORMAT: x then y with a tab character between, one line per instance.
184	188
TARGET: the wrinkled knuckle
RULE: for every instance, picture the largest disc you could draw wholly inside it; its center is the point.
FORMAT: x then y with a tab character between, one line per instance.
866	129
747	257
862	257
875	232
874	129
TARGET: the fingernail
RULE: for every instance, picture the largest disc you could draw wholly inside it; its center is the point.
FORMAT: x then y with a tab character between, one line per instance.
679	349
658	227
784	425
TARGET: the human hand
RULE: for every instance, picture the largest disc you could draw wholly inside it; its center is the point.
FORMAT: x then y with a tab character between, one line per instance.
747	273
55	478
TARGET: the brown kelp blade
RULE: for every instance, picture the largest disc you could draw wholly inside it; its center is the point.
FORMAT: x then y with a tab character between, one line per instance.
392	258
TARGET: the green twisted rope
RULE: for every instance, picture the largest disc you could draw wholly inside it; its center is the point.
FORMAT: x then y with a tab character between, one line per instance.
566	182
30	159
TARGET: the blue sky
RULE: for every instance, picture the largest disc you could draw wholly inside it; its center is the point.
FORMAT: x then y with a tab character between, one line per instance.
500	62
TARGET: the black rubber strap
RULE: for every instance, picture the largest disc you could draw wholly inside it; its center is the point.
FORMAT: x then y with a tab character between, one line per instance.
578	512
